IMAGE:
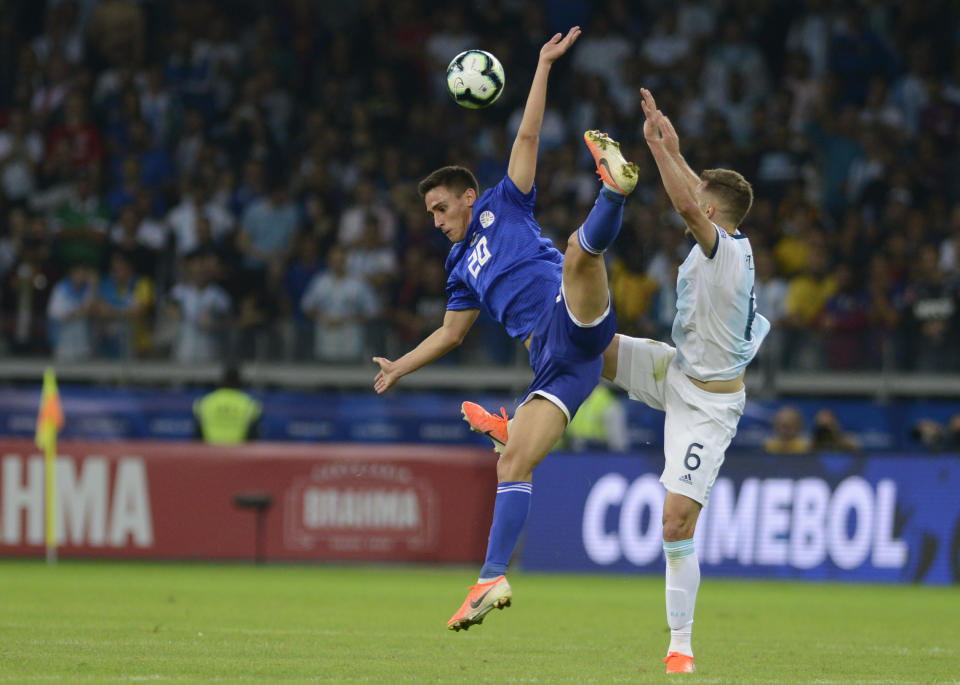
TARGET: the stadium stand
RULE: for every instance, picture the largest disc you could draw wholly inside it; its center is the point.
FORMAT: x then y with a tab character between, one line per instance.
226	150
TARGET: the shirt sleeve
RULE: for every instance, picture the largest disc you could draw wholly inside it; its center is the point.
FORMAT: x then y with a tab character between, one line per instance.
509	192
459	296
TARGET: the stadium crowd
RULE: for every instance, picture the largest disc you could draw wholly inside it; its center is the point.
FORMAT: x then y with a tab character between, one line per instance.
197	180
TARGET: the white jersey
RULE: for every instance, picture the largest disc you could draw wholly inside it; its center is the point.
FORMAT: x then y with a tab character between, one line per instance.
717	330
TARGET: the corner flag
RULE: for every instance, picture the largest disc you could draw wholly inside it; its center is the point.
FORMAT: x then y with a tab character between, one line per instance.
50	422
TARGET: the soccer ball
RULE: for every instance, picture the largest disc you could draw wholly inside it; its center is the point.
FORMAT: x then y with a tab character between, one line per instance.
475	79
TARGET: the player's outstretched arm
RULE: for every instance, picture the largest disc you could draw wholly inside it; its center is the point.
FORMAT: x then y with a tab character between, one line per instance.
448	336
672	143
523	157
661	137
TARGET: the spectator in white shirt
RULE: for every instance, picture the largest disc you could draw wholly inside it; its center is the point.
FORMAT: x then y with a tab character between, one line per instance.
371	258
201	308
69	312
21	151
340	304
182	219
365	202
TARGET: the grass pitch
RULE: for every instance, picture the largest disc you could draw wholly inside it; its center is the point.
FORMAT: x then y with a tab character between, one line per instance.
99	622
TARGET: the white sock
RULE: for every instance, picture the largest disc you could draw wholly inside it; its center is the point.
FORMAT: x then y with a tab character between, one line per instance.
683	579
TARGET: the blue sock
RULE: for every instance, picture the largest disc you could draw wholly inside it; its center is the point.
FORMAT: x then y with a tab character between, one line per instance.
509	515
603	222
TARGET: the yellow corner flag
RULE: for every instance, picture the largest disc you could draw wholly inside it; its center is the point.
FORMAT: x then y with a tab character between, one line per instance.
50	422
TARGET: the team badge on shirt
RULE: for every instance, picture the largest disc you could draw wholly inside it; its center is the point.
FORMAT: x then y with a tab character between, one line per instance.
486	218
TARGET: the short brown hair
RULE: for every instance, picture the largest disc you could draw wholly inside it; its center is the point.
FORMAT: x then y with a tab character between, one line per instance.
456	178
732	189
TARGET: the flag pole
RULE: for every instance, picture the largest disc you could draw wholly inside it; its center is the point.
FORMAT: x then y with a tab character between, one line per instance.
50	422
50	463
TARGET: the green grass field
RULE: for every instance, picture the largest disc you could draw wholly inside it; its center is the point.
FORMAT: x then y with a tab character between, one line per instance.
99	622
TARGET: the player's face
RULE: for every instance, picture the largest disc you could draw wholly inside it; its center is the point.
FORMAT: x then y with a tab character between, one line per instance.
451	212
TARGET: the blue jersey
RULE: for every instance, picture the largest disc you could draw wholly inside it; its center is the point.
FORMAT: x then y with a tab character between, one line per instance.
503	263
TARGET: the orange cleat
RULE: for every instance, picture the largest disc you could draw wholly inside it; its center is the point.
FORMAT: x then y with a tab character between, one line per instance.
679	663
614	170
482	598
491	425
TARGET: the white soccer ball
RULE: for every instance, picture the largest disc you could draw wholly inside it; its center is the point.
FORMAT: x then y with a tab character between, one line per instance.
475	79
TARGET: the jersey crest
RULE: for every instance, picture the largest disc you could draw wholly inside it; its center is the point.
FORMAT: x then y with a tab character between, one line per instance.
486	218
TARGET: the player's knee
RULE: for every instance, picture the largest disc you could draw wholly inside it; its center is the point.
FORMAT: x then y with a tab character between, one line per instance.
678	526
575	257
511	466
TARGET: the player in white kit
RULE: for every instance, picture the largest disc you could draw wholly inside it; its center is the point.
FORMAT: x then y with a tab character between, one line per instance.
698	383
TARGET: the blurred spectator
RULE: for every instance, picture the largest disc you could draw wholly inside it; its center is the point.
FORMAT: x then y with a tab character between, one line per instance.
354	217
371	258
844	321
196	201
788	437
935	436
80	224
932	321
806	296
117	32
601	50
61	33
634	290
666	45
138	240
84	139
828	436
268	228
200	308
53	91
21	151
27	286
71	302
339	304
124	299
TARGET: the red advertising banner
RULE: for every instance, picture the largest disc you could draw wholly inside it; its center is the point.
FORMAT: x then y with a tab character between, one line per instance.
180	501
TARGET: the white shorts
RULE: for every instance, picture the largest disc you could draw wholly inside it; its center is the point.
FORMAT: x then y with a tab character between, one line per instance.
699	425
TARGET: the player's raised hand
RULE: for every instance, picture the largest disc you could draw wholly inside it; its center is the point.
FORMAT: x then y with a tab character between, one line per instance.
671	140
651	125
387	377
558	45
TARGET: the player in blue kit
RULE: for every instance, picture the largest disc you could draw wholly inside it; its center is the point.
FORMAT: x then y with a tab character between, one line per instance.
558	305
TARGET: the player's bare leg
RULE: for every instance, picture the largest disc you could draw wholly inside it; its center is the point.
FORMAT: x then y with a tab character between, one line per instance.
610	357
585	286
584	272
680	515
535	430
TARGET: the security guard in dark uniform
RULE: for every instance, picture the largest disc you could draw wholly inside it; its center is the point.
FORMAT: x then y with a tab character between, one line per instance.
227	416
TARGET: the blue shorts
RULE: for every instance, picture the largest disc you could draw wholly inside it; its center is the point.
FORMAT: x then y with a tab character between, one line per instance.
567	356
